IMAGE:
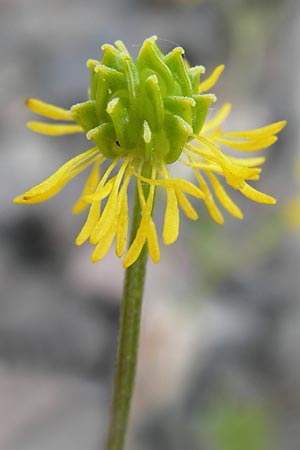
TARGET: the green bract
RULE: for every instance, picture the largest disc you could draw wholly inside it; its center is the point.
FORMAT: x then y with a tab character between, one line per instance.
149	108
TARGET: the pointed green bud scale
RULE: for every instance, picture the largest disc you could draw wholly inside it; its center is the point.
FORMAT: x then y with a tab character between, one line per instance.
149	108
150	58
121	47
132	78
178	132
181	106
175	62
105	138
112	57
92	63
194	76
120	119
154	94
200	111
113	77
85	114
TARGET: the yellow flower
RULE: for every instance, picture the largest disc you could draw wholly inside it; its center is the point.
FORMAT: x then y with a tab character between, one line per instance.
143	116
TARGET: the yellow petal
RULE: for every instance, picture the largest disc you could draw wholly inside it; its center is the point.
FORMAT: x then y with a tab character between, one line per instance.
248	146
104	244
103	193
177	183
99	194
54	129
211	80
48	110
122	229
152	240
208	199
153	245
266	131
143	230
52	185
171	221
224	161
186	206
90	223
110	211
223	197
89	187
257	196
249	162
218	118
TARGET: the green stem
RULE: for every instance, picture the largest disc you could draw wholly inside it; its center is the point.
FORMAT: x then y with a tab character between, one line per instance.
128	342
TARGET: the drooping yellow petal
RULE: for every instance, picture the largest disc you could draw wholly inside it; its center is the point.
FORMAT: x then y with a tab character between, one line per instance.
211	80
236	165
228	166
54	129
218	118
257	196
104	243
269	130
48	110
101	193
89	187
208	199
94	212
177	183
248	146
103	189
107	227
143	230
249	162
153	245
223	197
186	205
52	185
152	239
110	211
171	220
90	223
122	229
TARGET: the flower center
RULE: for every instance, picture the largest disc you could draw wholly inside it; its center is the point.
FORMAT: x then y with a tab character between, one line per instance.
149	108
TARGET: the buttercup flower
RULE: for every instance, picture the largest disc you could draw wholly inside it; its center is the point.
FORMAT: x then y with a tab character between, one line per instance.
142	117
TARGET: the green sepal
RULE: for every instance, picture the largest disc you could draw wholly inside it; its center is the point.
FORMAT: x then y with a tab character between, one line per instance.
105	138
194	76
175	62
150	58
102	98
85	114
178	132
113	77
181	106
200	110
132	78
112	57
121	47
92	63
121	120
155	98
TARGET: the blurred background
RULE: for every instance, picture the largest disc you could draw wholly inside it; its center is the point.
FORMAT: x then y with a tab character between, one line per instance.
219	365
